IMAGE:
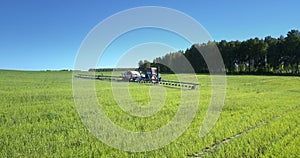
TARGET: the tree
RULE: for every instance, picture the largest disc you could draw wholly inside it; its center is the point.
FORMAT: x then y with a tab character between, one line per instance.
292	42
268	55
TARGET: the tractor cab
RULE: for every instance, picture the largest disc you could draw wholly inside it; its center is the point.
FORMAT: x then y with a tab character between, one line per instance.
152	74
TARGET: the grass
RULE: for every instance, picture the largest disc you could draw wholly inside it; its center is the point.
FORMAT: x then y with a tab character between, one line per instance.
38	118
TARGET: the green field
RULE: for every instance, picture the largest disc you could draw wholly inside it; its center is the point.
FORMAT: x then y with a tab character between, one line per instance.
38	118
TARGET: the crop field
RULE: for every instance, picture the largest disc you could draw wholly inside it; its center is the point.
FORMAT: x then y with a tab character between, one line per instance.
38	118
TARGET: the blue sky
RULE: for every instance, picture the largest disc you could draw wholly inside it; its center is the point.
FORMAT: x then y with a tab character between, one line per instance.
41	35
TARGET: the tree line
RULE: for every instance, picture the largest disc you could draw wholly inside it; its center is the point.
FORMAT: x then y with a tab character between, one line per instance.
253	56
109	69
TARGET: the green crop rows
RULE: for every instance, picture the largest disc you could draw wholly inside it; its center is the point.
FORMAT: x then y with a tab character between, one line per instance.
38	118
